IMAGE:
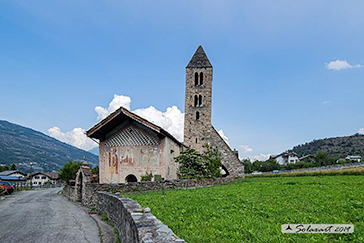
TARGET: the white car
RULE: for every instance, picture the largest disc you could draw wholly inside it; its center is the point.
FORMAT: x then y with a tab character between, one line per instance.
256	172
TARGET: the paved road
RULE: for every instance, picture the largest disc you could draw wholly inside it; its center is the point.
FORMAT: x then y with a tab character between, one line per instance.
44	216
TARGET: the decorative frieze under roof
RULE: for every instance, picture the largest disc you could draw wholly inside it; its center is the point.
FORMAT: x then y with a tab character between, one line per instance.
131	137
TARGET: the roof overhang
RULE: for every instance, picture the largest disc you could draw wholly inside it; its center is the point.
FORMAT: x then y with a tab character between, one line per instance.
120	116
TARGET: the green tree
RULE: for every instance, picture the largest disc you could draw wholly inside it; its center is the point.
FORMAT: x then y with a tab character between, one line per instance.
266	166
195	165
212	158
95	170
13	166
69	170
248	166
6	167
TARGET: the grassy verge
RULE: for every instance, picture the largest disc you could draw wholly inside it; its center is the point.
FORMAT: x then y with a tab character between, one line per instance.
340	172
253	210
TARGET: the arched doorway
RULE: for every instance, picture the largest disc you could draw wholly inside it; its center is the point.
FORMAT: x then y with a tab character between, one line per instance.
131	178
224	171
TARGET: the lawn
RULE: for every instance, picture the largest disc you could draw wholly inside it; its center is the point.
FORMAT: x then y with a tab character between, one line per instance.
252	210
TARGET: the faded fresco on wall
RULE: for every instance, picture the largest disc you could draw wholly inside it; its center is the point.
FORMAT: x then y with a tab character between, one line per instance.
119	159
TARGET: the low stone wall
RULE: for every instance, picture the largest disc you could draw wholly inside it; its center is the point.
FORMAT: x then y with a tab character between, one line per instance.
134	223
69	192
91	188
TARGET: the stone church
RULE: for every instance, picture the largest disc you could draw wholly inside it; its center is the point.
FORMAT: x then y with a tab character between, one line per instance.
130	146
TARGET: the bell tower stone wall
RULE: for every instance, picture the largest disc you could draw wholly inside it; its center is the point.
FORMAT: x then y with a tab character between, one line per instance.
198	130
198	99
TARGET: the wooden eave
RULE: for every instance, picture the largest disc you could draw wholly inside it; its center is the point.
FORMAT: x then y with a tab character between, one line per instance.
101	129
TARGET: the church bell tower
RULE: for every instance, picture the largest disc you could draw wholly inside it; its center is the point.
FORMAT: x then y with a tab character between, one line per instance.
197	126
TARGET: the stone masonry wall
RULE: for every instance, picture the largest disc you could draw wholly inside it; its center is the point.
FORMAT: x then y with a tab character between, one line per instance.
70	192
134	223
91	189
197	129
229	159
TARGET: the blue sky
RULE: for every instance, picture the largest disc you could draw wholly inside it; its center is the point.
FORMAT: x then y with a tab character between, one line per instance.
285	72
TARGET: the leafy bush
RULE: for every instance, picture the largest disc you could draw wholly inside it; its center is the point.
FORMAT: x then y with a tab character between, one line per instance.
194	165
147	177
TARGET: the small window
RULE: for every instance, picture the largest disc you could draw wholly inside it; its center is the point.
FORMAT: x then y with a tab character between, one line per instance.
196	140
200	100
201	78
36	177
196	101
196	79
197	115
43	177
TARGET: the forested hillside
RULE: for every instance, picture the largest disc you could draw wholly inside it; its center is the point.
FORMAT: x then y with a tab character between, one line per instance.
338	146
20	145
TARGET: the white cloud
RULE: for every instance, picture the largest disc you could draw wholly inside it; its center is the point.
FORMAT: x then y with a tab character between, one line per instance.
119	100
326	102
76	137
246	148
260	157
171	120
221	133
361	131
339	64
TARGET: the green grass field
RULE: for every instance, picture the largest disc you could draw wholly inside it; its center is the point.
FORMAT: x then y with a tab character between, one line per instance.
252	210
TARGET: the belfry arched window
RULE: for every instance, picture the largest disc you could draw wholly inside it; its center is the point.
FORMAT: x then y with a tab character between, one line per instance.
197	115
201	78
196	101
200	100
196	79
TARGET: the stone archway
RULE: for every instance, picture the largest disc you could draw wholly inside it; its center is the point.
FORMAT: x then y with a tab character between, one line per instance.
131	178
83	176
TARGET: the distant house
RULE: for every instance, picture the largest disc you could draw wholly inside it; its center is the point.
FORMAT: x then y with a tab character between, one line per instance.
40	178
286	158
356	158
15	180
13	173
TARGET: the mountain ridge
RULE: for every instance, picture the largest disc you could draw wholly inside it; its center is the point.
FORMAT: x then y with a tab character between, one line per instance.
20	145
335	146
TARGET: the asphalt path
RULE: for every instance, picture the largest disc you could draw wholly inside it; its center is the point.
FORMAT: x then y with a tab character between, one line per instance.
44	216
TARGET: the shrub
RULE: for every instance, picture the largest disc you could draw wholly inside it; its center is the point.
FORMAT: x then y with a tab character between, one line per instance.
195	165
147	177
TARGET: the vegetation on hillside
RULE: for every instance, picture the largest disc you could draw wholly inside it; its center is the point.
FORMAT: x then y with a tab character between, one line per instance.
338	146
4	168
317	160
192	164
339	172
21	145
253	210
